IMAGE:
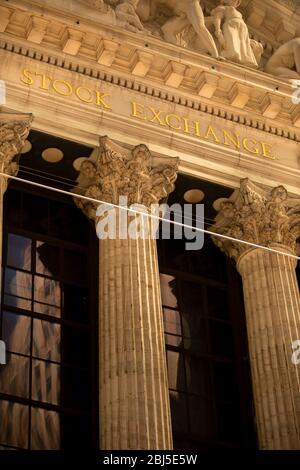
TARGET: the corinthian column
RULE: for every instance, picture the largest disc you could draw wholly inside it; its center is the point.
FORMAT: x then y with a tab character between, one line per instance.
134	397
270	219
14	129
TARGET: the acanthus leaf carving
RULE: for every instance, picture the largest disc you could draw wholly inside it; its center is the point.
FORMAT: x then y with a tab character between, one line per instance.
257	216
112	172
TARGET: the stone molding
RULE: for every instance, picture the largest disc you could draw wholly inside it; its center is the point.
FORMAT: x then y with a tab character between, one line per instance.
130	56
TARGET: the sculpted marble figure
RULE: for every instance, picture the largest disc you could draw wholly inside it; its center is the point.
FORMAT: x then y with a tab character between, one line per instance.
285	62
233	35
126	13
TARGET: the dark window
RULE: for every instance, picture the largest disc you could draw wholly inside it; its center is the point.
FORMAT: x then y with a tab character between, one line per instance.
48	397
207	353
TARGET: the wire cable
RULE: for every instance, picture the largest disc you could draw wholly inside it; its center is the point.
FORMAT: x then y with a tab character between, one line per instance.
152	216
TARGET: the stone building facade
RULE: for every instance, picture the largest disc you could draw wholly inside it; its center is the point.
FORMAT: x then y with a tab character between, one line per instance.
155	100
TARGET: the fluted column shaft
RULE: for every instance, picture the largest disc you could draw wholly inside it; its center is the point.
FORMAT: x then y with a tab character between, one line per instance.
269	219
272	307
134	397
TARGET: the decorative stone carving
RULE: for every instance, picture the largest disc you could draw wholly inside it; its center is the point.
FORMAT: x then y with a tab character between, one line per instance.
113	171
14	130
126	14
285	62
233	35
257	216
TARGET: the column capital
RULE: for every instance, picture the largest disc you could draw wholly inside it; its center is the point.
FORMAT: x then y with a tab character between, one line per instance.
113	171
14	129
257	215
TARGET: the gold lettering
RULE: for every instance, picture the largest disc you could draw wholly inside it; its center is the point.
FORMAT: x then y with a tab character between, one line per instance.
78	94
228	140
68	86
246	146
156	116
137	110
210	131
169	117
27	79
45	78
100	100
267	152
195	124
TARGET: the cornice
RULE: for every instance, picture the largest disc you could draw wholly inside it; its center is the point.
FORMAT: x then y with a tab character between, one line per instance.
151	66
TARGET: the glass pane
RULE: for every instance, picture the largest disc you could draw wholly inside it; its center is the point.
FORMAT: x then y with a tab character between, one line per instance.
195	333
17	302
217	303
221	339
168	290
45	429
47	309
18	284
192	299
13	424
35	213
178	411
173	340
16	332
76	346
74	267
14	376
46	291
225	381
172	321
45	382
75	304
19	252
175	370
198	376
47	259
46	340
202	418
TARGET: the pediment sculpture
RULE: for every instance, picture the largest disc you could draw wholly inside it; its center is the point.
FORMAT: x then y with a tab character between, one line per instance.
285	62
223	34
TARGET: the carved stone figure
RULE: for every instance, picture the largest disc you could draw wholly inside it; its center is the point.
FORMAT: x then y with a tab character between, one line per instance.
232	33
285	62
126	12
186	13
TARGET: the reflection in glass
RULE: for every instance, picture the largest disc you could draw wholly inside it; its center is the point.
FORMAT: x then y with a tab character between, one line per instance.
13	424
47	292
46	340
14	376
17	287
45	381
172	340
172	321
168	290
47	259
178	411
45	430
198	376
19	252
16	332
175	370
